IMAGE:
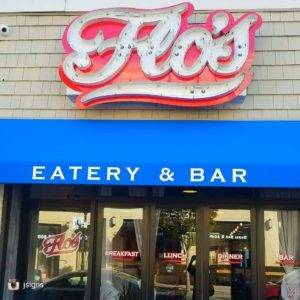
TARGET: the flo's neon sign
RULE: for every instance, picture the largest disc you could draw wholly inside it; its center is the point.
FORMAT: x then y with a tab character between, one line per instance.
132	55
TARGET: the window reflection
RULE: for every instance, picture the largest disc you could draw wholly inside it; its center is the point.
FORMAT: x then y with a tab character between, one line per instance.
175	245
122	254
60	263
229	254
282	254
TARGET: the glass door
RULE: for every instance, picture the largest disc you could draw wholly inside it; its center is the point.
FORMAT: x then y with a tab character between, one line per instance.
229	254
282	254
122	253
151	253
58	256
175	251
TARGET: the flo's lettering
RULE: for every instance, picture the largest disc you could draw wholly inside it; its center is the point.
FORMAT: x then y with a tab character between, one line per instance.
133	55
60	244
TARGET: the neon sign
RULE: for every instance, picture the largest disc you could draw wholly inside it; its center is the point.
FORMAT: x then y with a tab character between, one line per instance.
154	56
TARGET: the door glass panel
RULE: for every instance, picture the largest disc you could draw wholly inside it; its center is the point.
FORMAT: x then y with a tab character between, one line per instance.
282	254
229	254
175	245
121	254
58	268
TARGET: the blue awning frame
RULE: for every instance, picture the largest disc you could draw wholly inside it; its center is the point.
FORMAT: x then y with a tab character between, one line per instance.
151	153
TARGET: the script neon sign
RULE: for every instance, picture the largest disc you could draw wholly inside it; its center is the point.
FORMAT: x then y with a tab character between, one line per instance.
154	56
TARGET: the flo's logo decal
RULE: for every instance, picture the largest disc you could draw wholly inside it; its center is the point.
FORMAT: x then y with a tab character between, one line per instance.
154	56
60	244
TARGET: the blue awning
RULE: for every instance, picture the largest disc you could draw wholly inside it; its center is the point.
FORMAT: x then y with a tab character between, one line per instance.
161	153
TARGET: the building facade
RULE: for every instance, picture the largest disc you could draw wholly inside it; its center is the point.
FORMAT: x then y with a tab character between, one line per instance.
116	201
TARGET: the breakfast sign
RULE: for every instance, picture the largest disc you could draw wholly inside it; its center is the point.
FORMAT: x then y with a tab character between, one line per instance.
155	56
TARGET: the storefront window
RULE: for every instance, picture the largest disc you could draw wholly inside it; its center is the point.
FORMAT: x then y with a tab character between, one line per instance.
175	246
229	254
59	267
121	254
282	254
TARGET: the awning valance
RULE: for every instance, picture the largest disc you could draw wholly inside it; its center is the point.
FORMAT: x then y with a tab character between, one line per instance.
175	153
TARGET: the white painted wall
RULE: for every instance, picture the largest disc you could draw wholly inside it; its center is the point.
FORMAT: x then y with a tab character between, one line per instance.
80	5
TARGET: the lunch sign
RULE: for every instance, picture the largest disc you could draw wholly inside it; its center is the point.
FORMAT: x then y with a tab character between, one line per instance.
154	56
